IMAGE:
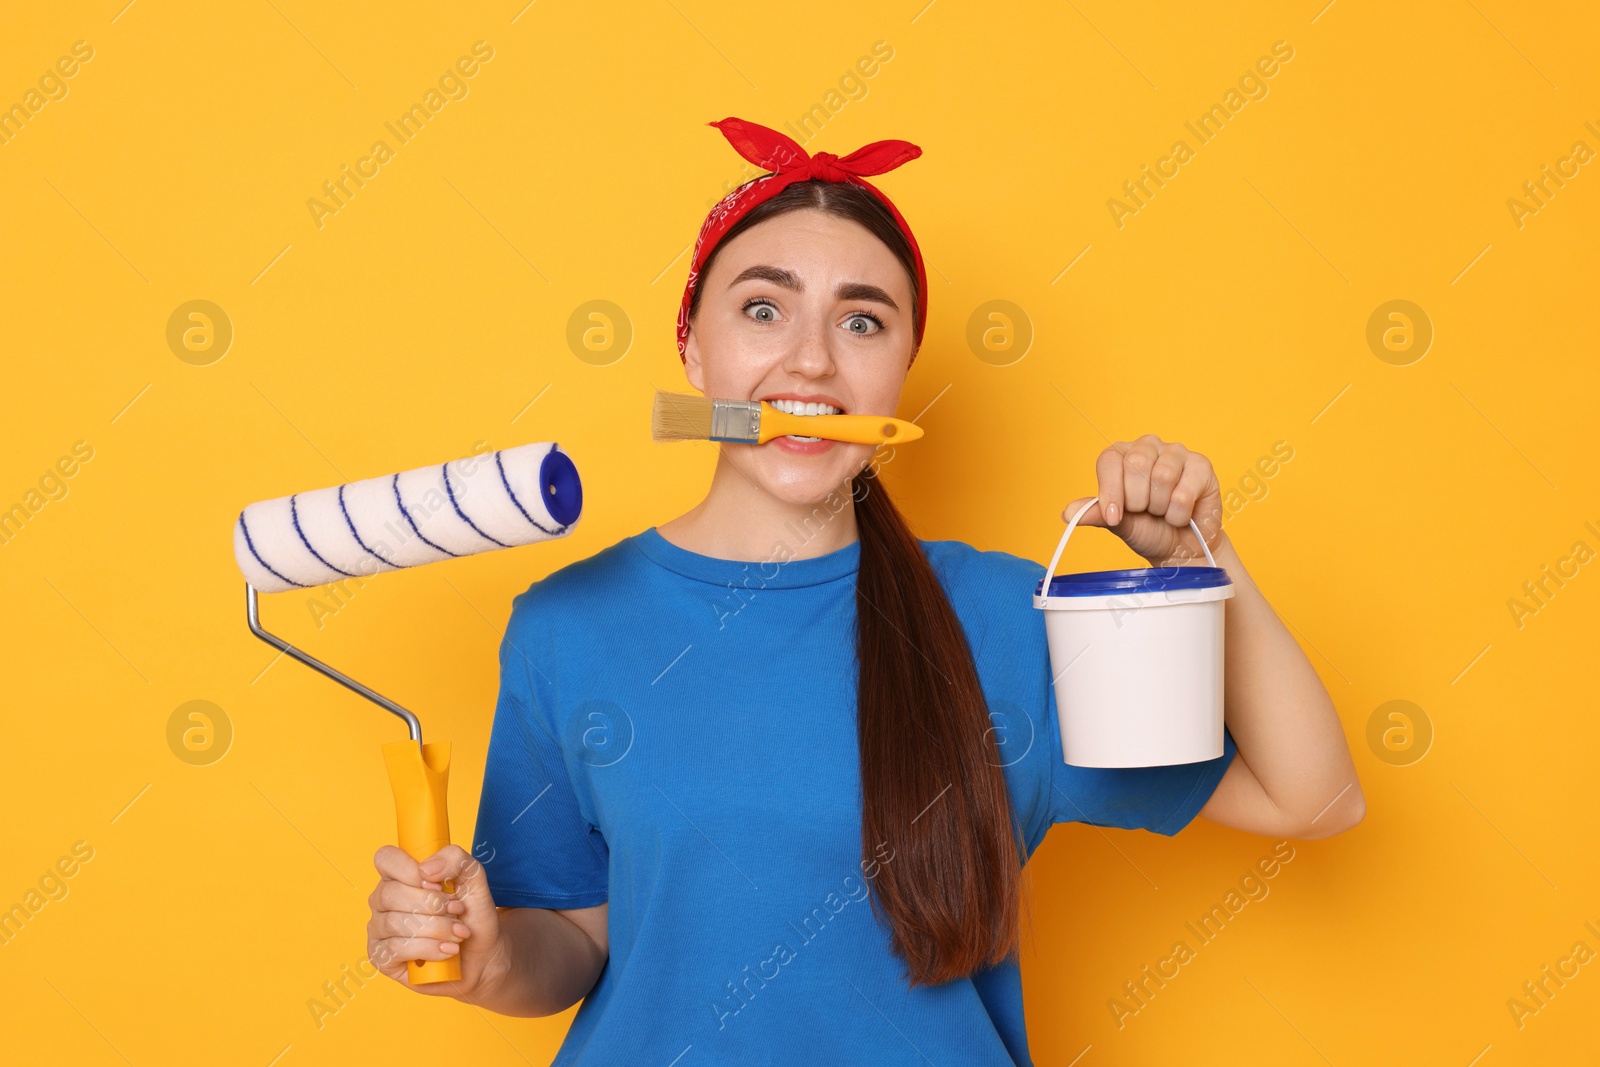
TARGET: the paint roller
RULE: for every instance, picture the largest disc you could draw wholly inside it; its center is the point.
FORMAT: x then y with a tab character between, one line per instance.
496	500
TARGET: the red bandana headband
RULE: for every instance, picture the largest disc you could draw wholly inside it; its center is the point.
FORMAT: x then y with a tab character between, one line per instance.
790	163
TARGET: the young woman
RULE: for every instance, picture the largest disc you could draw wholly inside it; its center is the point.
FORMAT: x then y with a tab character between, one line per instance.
762	779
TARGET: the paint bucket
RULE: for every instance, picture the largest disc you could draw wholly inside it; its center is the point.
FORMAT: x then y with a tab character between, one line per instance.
1136	660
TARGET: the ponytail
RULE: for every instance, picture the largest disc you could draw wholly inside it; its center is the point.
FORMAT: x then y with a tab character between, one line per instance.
931	782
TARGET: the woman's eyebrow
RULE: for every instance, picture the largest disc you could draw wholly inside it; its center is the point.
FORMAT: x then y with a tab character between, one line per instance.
789	280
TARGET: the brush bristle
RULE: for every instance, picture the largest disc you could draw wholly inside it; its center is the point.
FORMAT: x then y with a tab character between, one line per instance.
680	417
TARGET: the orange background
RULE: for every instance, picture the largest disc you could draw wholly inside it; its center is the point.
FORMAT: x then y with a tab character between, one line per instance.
437	307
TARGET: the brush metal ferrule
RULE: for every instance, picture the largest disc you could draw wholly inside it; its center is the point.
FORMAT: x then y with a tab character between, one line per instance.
736	420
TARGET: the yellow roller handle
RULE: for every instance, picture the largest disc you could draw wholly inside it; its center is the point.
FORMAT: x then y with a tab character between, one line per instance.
856	429
419	778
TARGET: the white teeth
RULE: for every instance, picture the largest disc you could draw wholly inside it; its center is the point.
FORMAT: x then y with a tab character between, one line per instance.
795	407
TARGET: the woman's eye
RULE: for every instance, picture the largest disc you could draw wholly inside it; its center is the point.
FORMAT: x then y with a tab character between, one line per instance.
765	312
864	323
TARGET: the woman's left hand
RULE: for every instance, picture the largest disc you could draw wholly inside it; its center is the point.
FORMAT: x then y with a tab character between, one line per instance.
1149	490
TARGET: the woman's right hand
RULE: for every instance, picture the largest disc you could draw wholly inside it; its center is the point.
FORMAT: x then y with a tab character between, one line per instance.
413	918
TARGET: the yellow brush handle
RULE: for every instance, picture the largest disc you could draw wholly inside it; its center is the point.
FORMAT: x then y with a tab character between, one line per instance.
856	429
424	825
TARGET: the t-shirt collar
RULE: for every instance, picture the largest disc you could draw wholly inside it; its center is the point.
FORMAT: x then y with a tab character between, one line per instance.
776	570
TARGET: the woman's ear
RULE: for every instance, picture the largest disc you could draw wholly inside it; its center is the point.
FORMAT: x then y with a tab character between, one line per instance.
691	361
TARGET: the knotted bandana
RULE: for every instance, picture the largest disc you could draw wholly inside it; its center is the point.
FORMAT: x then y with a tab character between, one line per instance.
790	163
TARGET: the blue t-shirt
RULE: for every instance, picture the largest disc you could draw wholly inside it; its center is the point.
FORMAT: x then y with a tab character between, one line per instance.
676	734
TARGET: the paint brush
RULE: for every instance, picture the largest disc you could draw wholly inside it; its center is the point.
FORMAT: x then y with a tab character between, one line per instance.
686	417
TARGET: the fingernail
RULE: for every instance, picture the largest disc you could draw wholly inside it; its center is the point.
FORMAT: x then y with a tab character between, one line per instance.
462	930
1111	513
449	948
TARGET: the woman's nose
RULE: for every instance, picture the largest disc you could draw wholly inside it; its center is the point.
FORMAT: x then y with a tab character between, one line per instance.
811	355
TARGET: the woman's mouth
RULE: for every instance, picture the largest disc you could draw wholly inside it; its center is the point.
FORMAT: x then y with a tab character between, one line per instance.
796	442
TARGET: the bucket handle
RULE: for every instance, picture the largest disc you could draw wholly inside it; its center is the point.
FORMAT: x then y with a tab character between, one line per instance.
1055	559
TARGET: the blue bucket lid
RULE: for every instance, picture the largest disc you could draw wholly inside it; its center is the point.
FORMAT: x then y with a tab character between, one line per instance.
1135	580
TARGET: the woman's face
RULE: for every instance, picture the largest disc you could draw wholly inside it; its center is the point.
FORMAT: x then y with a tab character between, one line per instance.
788	311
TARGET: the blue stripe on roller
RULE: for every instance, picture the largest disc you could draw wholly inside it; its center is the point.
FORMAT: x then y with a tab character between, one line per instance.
351	523
244	528
402	506
509	492
451	493
294	516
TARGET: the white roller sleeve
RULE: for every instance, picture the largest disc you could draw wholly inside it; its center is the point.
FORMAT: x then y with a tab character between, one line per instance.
488	501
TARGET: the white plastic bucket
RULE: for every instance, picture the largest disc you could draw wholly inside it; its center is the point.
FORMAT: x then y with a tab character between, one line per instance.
1136	659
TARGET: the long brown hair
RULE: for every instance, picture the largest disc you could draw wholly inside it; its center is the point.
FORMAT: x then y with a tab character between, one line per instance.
932	786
